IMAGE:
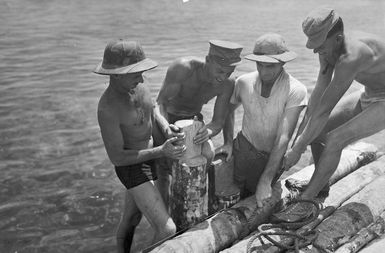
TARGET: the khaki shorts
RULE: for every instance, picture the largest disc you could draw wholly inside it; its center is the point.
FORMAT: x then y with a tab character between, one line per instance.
369	96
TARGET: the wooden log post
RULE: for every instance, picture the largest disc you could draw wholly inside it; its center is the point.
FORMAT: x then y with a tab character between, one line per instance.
364	236
226	193
189	185
224	228
357	213
377	245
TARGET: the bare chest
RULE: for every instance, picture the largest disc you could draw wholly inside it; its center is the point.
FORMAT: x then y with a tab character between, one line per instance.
198	92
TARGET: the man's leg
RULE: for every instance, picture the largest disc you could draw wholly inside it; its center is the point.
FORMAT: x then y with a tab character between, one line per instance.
248	166
366	123
162	165
163	183
126	228
150	203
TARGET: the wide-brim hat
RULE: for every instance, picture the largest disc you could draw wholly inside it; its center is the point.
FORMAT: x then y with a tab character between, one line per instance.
317	25
225	53
123	57
271	48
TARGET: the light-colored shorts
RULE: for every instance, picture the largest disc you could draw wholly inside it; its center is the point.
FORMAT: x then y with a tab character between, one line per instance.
369	96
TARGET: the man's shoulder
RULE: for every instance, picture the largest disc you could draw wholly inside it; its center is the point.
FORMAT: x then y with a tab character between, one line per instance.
106	108
248	78
185	65
361	48
295	82
296	86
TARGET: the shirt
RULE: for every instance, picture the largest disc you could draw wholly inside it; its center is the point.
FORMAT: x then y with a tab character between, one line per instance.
262	116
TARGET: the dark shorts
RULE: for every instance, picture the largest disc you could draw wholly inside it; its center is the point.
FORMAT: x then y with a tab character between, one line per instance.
249	164
136	174
172	118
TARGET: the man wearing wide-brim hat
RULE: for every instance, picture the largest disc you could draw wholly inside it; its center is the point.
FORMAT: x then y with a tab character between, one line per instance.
272	100
191	82
343	57
125	111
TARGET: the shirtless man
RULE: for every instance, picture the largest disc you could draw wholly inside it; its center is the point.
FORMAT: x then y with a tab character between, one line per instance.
126	115
343	58
190	83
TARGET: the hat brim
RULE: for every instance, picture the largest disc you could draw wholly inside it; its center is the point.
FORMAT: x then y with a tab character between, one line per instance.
141	66
317	40
277	58
233	64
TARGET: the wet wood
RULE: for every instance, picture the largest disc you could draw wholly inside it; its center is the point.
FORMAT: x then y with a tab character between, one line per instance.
226	193
221	230
189	192
377	245
339	192
364	236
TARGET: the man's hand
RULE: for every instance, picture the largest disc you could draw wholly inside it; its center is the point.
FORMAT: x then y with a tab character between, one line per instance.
202	135
263	193
174	131
225	149
291	158
171	150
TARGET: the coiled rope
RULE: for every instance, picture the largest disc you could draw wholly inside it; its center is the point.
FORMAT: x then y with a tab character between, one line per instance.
286	228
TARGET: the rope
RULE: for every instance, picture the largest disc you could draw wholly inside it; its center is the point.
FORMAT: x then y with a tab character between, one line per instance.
300	240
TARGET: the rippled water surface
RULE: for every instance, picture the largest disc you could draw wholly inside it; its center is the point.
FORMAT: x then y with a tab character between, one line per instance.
58	191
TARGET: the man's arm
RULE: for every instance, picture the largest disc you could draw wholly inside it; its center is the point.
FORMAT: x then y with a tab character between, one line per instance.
168	130
344	74
171	85
324	77
113	142
228	133
221	108
285	132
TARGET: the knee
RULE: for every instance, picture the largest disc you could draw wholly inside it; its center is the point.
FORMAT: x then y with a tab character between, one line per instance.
319	140
168	229
333	143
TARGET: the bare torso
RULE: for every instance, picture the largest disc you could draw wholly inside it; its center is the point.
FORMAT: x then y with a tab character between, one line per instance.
369	51
193	92
133	112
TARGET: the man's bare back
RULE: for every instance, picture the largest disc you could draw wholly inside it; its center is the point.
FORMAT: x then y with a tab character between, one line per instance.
369	52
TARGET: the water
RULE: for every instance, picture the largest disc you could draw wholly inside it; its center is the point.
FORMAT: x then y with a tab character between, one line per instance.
58	190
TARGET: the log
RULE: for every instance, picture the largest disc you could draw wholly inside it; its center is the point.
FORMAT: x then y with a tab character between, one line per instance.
364	236
189	185
357	213
226	193
189	192
221	230
340	192
377	245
